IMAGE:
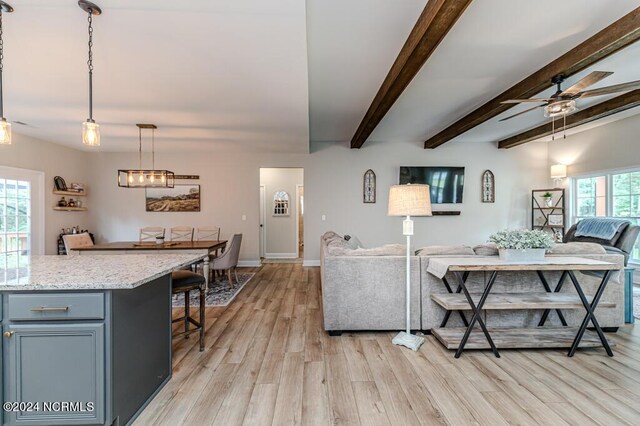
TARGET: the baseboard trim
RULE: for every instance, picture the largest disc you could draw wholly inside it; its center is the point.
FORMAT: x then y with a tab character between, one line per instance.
311	263
281	255
249	263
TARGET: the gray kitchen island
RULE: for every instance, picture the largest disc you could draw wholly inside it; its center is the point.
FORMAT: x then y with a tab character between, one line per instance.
86	339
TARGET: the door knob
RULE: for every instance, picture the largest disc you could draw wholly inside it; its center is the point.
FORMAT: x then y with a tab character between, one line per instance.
8	333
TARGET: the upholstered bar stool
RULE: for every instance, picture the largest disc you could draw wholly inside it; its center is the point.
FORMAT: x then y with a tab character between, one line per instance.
184	282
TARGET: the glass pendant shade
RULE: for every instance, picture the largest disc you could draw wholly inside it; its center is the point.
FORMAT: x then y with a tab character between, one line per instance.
146	179
5	132
91	133
560	108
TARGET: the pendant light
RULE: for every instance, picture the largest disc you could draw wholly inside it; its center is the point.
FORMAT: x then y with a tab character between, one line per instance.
90	129
5	126
141	178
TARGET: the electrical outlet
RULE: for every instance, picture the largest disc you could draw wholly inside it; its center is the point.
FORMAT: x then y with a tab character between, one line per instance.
244	217
324	217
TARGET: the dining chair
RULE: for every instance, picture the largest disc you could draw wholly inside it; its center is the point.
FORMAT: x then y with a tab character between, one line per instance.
207	233
74	241
182	233
228	260
150	233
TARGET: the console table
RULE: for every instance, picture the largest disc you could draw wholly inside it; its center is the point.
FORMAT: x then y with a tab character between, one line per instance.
535	337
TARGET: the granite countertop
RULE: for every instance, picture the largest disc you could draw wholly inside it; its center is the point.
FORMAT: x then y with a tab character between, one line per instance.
92	272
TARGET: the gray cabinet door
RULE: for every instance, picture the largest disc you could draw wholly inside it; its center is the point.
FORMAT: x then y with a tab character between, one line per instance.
56	364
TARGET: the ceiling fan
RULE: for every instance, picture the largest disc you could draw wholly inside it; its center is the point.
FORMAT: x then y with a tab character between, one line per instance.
563	102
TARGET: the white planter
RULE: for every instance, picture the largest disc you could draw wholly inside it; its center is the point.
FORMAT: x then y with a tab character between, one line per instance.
526	255
548	201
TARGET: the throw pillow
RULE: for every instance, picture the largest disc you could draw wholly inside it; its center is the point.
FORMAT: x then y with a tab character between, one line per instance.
445	251
488	249
354	242
577	248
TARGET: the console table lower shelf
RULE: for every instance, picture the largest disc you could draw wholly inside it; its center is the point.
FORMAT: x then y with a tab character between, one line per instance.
517	338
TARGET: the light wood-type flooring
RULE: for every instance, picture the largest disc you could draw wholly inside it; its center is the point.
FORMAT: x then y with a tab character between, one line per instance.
268	361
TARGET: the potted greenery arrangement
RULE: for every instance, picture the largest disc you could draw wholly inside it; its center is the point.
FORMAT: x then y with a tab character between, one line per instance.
522	245
548	199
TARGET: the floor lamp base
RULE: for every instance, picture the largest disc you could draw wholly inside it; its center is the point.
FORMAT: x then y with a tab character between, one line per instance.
411	341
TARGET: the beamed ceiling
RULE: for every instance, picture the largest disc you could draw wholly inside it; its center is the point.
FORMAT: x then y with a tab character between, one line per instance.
275	75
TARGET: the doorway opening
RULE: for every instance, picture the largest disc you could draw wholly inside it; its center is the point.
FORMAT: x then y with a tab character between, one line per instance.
282	214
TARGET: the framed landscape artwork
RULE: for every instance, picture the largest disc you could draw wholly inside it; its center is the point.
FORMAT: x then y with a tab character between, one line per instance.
180	198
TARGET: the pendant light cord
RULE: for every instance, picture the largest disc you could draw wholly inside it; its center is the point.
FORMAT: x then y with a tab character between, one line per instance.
1	66
153	150
90	66
140	146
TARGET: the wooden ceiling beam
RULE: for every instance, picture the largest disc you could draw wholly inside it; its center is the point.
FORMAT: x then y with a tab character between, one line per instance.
617	36
604	109
435	21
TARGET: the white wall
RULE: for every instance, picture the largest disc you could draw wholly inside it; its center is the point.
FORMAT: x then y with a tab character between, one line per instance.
54	160
333	187
281	238
612	146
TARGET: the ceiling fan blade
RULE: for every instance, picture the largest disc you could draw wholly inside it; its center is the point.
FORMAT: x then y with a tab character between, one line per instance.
623	87
522	112
519	101
592	78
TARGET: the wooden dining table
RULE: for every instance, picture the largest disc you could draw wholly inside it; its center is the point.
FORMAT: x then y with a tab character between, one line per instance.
136	247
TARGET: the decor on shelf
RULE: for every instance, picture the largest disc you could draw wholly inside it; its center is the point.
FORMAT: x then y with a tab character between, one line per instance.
59	183
180	198
558	173
522	245
281	204
409	200
62	202
140	178
556	220
90	129
5	126
548	199
369	187
488	187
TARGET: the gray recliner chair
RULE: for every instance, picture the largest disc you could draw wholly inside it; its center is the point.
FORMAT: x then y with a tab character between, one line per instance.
622	243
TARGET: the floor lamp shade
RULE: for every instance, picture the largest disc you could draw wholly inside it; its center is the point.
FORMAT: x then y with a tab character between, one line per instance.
409	200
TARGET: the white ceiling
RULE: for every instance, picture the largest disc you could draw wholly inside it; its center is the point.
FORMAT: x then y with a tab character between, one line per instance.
272	75
218	73
495	44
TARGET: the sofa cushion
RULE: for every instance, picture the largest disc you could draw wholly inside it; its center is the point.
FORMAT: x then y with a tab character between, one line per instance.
576	248
445	251
329	235
386	250
488	249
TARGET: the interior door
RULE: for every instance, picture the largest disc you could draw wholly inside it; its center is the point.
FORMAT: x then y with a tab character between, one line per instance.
263	220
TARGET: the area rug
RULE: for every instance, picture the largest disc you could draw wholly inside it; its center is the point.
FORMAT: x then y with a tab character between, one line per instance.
218	295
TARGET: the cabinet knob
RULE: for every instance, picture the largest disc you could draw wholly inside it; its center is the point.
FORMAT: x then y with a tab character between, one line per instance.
8	333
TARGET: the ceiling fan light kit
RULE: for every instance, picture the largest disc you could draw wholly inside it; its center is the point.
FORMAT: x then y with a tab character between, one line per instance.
563	102
5	126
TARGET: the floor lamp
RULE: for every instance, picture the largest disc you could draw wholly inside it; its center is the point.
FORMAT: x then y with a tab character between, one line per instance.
409	200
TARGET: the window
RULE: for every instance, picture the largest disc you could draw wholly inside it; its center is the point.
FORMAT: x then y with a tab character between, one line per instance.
20	220
615	194
281	204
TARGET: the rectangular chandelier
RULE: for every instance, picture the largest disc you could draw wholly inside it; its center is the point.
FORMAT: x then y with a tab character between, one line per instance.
141	178
146	179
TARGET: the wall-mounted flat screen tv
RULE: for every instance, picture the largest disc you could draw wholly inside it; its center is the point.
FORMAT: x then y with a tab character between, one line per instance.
446	183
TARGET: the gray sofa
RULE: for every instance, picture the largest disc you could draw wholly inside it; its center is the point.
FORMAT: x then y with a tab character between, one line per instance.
365	290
